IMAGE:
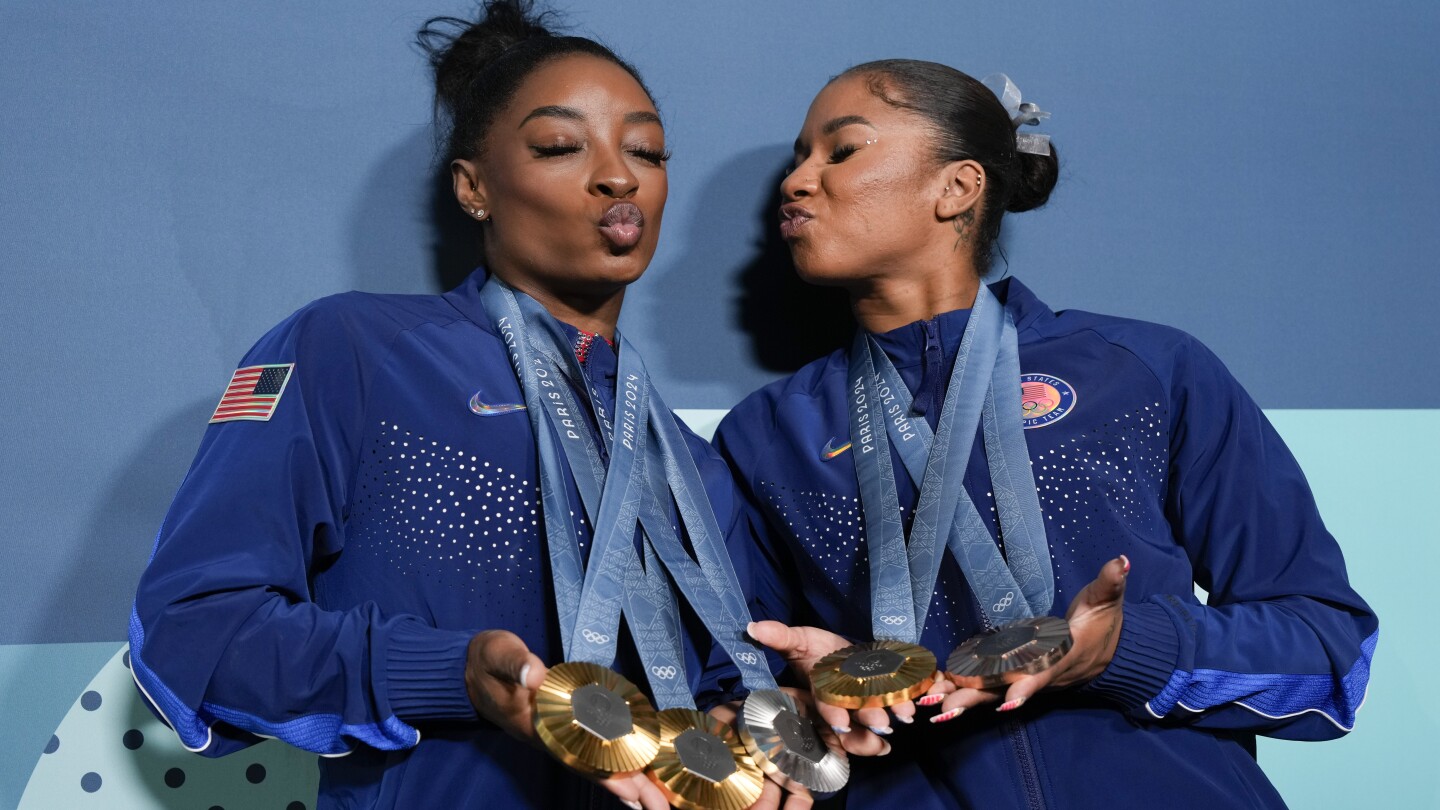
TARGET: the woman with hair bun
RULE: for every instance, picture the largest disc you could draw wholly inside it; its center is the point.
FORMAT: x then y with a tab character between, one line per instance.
383	540
976	458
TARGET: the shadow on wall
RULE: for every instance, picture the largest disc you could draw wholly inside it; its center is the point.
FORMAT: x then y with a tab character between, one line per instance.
735	255
407	232
95	595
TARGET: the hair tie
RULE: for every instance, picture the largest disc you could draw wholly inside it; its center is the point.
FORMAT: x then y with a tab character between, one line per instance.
1021	112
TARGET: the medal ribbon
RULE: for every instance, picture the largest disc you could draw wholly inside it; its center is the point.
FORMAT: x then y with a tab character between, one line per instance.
590	603
708	579
902	583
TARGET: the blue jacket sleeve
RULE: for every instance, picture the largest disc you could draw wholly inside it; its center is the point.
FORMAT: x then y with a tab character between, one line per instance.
226	640
1284	645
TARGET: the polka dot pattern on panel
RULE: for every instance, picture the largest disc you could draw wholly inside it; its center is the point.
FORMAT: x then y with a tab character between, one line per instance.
117	754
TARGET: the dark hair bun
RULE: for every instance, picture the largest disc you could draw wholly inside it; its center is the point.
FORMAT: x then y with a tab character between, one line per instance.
460	50
1035	180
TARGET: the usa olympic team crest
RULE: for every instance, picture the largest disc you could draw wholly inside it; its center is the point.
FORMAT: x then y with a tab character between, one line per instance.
1045	399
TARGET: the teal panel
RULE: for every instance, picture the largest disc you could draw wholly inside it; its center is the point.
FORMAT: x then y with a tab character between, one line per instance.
38	684
1374	474
112	752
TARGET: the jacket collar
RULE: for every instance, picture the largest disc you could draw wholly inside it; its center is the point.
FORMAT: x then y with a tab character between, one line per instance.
595	354
906	344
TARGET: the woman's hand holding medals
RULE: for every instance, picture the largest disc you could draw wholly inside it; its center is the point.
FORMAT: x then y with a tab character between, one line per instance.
502	676
1094	619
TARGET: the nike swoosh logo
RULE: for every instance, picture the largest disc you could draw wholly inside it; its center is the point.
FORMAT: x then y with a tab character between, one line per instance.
831	451
485	409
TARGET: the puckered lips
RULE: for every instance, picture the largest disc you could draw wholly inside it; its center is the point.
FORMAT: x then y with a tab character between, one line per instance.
793	218
622	224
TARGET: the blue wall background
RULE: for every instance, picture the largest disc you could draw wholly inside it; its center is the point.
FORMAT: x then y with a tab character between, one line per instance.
177	177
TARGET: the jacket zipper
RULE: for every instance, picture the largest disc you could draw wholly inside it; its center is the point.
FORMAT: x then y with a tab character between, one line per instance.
1029	773
930	390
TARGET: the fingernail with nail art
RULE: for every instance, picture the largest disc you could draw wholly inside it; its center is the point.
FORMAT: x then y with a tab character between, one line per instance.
1126	561
841	729
631	803
1012	705
887	749
524	674
881	730
905	718
943	716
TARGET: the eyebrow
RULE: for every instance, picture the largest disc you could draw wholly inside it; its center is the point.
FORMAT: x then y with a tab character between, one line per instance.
553	111
835	124
572	114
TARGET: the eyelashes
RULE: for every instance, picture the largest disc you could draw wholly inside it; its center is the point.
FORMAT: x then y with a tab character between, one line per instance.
655	157
651	156
556	150
838	155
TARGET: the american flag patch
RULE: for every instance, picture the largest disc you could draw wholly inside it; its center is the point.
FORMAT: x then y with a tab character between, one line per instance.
253	393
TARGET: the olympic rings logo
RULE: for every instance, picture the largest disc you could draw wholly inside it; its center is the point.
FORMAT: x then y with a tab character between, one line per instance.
1000	606
893	620
666	672
594	637
748	658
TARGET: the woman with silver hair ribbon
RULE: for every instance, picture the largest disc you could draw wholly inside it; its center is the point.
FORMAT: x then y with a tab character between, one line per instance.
1051	485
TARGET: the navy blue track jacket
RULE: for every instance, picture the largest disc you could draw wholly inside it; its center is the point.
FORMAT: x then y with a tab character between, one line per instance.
1150	449
319	575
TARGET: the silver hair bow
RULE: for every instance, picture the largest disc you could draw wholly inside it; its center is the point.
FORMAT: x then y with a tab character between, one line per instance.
1021	112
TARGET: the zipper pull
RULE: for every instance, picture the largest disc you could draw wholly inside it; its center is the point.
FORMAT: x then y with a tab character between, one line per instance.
924	393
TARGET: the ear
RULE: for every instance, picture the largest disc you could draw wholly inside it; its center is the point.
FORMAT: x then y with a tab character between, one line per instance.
469	187
964	189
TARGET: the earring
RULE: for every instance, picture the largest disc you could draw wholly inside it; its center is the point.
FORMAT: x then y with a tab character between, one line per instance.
479	213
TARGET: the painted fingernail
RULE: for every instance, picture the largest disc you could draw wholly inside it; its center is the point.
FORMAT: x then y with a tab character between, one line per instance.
943	716
881	730
1011	705
905	718
524	674
930	700
631	803
886	750
1126	561
841	729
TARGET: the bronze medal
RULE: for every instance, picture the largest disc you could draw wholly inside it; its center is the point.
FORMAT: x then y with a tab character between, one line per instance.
1009	652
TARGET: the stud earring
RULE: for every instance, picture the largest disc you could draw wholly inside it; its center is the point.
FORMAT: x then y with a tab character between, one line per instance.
479	213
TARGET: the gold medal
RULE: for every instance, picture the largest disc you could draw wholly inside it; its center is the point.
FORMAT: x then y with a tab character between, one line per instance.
873	674
1009	652
703	765
787	747
594	720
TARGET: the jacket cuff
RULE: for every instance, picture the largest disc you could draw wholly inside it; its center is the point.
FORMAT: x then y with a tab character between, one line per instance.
425	673
1145	657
